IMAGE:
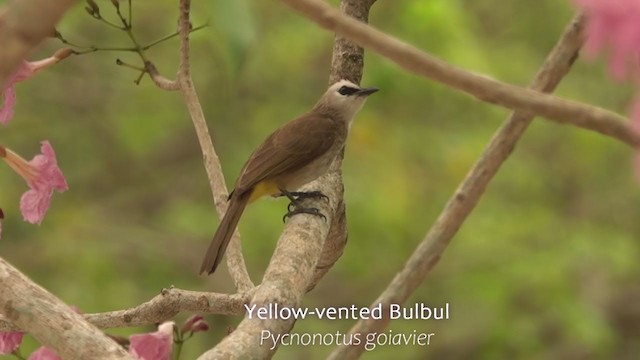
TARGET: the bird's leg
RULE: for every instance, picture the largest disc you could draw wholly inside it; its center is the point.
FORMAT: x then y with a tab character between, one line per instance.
300	195
298	208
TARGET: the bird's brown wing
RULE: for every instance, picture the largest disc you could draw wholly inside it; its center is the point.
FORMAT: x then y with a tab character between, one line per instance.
290	148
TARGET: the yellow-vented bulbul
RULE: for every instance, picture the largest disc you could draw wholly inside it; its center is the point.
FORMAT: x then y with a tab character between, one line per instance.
295	154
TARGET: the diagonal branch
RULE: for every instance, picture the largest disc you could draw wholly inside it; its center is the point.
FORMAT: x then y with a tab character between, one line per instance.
168	304
163	307
465	198
482	87
302	255
23	25
235	260
347	62
285	281
184	83
49	320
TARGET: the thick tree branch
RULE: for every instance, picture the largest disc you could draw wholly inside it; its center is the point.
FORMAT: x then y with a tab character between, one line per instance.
463	201
50	321
163	307
482	87
347	62
23	25
168	304
295	267
335	242
285	280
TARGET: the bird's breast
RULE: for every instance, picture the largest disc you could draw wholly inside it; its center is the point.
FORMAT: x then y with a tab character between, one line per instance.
311	171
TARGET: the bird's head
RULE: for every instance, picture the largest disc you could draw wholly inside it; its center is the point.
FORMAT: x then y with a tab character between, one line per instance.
345	98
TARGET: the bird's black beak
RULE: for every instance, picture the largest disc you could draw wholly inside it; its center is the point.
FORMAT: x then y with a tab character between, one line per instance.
366	91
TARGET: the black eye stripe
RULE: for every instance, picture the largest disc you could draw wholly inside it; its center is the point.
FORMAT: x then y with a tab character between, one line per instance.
347	90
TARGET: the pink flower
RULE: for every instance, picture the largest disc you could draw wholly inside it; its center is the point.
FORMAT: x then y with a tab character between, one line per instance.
44	353
10	341
42	174
613	24
635	124
194	324
154	346
26	70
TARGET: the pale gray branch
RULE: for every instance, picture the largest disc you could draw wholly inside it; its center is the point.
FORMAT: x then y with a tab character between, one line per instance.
482	87
302	255
235	259
163	307
286	278
53	323
347	62
23	25
213	168
168	304
465	198
160	81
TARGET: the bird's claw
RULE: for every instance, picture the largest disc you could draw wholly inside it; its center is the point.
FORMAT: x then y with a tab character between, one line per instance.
302	210
300	195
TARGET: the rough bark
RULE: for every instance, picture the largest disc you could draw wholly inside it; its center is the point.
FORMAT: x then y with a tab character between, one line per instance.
52	322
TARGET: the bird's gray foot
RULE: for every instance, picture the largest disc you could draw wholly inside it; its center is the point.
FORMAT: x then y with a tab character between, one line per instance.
295	206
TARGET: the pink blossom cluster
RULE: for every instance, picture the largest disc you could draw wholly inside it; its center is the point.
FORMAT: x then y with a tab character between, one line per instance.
613	27
26	70
157	345
42	173
151	346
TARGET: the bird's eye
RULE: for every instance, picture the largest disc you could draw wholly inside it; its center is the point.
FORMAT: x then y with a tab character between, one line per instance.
347	90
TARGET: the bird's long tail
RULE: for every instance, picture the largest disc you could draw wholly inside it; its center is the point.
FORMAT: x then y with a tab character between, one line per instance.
227	226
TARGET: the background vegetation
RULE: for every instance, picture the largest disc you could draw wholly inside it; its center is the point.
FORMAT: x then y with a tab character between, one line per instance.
546	267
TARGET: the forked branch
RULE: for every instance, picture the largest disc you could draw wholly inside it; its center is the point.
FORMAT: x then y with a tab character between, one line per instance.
465	198
482	87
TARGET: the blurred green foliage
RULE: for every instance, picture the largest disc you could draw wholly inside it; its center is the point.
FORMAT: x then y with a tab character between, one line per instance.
545	267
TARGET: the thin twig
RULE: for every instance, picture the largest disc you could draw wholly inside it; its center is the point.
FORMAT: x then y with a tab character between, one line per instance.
482	87
235	260
213	168
463	201
109	23
130	20
160	81
170	36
